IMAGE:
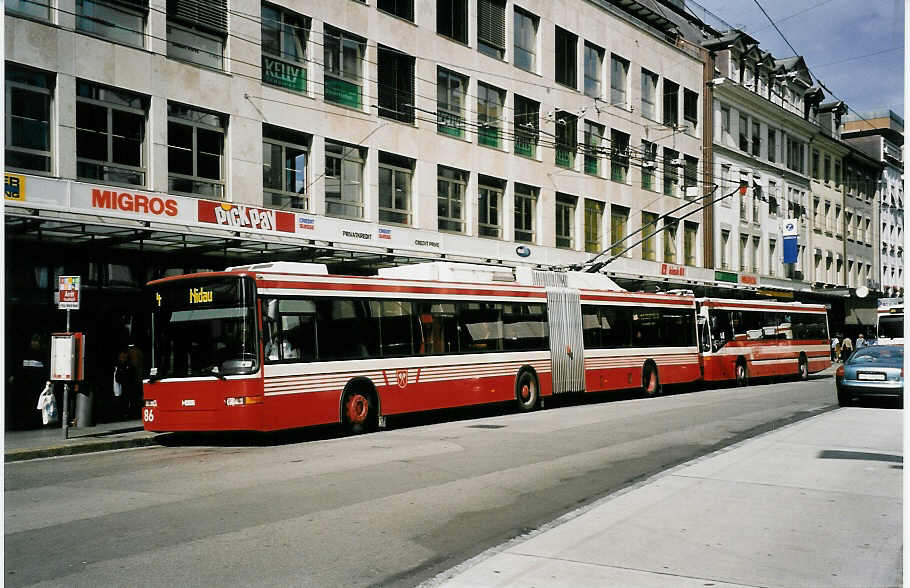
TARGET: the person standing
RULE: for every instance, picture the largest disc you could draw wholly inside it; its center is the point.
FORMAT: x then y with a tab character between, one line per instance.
860	341
127	376
846	349
835	342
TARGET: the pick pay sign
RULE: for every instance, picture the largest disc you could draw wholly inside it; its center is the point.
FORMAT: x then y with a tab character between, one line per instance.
68	292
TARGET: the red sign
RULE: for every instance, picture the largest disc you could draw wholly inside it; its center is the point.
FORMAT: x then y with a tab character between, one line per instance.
668	269
248	217
751	280
68	292
402	376
129	202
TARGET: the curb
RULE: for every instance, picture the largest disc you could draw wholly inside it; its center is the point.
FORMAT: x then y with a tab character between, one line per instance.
61	450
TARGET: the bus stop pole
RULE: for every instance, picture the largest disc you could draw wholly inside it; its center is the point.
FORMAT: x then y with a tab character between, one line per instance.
66	391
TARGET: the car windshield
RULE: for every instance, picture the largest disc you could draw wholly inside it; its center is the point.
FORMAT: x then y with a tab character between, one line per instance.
878	355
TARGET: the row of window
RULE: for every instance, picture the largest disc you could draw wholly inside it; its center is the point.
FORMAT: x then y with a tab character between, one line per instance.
760	140
726	259
753	325
613	327
320	329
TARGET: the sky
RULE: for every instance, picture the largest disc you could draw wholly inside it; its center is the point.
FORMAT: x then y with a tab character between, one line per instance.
855	47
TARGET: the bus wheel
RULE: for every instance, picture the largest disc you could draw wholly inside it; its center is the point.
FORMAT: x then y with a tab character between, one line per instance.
527	391
742	373
650	380
803	367
359	412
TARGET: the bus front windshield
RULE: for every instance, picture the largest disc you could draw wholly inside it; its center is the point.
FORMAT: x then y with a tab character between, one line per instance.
204	328
891	326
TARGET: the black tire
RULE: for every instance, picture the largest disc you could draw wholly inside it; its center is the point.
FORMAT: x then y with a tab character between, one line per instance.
527	390
742	372
359	413
650	380
803	367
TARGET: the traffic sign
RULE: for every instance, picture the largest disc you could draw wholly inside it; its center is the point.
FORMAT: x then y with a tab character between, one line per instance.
68	292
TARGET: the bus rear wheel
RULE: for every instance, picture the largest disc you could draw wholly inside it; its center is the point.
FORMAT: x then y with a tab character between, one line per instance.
803	367
650	380
358	412
527	391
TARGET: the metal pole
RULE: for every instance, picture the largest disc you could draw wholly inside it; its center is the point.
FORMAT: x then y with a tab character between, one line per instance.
66	391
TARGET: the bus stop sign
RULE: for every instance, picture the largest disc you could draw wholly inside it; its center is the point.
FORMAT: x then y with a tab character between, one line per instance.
68	292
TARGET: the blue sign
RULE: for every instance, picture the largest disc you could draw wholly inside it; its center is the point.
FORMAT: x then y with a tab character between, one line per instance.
523	251
791	249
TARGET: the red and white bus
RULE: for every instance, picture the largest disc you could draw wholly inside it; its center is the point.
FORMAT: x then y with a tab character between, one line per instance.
750	338
286	345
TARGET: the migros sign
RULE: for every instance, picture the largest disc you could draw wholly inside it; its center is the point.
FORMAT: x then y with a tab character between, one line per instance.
129	202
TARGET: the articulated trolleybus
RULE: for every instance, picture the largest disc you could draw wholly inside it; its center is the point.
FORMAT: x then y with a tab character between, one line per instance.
285	345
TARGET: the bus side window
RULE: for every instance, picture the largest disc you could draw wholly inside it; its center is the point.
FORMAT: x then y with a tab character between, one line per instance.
435	330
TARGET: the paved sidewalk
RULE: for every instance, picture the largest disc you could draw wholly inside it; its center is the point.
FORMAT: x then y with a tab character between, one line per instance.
816	503
48	442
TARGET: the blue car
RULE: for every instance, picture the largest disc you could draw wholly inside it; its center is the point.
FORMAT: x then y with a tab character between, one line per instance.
876	371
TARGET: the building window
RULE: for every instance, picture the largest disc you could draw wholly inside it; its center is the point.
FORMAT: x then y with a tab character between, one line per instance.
837	174
526	123
724	249
671	103
756	255
671	172
772	257
452	19
690	243
195	147
593	139
395	174
815	169
743	198
725	121
756	203
649	229
772	197
670	227
489	202
40	9
566	44
525	212
725	183
28	119
284	39
450	190
451	89
344	180
285	181
196	31
690	109
756	138
525	40
594	213
619	156
491	28
400	8
490	105
395	72
110	134
343	65
772	145
827	168
648	164
619	221
795	155
648	94
565	220
838	230
619	81
743	133
566	139
690	173
594	60
121	22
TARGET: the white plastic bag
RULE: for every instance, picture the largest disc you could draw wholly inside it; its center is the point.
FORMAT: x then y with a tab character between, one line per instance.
118	389
47	404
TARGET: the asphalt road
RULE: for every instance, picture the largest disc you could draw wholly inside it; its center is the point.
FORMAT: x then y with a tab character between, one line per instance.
390	509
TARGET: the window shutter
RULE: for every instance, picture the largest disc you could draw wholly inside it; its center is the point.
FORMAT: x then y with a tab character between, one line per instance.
491	22
208	14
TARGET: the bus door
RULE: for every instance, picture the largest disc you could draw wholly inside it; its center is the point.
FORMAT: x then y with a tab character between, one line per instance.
567	350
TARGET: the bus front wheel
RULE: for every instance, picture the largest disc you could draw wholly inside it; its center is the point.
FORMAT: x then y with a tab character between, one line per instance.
650	380
742	373
803	367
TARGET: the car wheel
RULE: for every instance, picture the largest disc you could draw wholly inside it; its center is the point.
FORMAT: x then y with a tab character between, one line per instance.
843	398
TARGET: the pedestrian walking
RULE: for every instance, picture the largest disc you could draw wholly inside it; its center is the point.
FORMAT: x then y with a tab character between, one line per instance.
835	347
127	378
846	349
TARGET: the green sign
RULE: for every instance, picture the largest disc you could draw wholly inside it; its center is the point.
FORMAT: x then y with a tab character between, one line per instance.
726	277
283	74
342	92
